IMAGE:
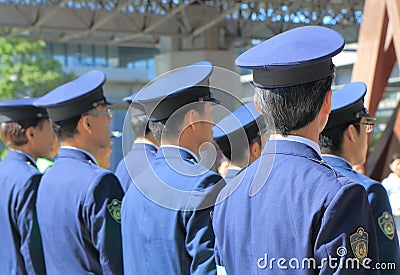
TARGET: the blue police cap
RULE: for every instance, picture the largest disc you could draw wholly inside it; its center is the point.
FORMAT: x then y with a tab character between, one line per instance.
138	108
348	105
22	109
230	128
294	57
167	93
75	97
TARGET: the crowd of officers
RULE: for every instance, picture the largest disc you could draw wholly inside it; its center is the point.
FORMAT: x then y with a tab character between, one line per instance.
289	196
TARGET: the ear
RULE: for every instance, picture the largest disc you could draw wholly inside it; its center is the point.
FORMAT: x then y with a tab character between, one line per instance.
84	125
351	133
30	134
191	117
256	103
255	149
326	106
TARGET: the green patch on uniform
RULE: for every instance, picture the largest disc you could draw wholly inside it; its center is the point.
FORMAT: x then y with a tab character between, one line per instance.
114	208
359	244
386	224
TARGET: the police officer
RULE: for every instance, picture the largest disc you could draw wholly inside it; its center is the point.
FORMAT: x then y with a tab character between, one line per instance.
289	210
78	203
28	135
166	214
241	136
144	148
344	143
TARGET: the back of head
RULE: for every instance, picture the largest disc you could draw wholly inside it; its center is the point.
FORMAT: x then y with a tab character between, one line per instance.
170	96
292	73
138	118
294	107
13	134
236	132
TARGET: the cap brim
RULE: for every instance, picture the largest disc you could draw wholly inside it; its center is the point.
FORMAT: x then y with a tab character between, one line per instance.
368	116
127	99
214	100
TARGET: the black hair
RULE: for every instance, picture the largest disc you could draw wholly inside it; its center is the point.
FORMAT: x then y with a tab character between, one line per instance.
331	141
66	128
293	107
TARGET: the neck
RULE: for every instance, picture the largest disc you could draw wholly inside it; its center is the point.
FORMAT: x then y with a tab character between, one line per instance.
181	143
313	129
342	155
150	137
145	139
235	166
307	132
27	150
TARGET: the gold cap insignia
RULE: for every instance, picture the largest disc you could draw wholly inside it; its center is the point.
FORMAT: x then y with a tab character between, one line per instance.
386	223
359	244
114	208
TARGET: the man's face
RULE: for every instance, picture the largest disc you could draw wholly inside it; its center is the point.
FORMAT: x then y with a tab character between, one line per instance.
362	142
100	119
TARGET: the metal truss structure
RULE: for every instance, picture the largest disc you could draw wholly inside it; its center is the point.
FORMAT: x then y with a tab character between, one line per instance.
234	24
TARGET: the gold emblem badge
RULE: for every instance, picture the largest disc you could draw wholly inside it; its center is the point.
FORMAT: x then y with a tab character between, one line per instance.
359	244
386	223
114	208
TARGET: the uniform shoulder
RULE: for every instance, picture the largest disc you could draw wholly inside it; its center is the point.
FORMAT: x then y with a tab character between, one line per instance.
104	184
206	177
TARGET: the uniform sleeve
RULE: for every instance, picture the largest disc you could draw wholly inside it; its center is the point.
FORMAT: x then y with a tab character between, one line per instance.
122	174
200	237
200	241
389	250
347	234
26	219
104	217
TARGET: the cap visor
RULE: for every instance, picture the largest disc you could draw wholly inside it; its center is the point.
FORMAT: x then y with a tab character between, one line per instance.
368	116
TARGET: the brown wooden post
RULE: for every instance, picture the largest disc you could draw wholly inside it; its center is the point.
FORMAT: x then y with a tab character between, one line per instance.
378	46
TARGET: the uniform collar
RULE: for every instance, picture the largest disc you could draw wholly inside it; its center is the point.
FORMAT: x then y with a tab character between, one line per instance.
19	155
73	152
299	139
170	151
147	144
337	161
232	172
290	147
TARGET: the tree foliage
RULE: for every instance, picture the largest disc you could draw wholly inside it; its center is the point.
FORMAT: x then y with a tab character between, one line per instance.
25	71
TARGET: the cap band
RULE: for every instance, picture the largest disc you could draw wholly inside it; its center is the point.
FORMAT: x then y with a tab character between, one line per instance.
347	115
68	110
24	113
163	109
292	76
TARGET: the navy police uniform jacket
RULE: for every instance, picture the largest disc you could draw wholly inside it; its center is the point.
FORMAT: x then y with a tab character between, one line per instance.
388	242
78	209
140	156
289	210
166	232
21	248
